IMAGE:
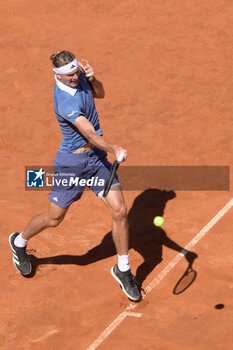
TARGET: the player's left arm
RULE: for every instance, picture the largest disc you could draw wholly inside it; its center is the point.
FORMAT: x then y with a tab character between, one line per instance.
96	85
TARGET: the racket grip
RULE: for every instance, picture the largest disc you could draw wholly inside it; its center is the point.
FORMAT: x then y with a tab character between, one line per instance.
120	158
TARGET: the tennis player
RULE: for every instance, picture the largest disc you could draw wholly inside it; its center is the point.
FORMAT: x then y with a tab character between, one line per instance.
82	152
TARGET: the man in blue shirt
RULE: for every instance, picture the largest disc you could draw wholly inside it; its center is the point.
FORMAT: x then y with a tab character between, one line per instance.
82	151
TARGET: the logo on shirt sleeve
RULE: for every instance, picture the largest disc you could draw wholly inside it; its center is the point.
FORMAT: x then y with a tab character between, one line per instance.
72	113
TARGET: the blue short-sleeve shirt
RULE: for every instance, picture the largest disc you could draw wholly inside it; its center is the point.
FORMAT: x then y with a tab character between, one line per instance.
69	103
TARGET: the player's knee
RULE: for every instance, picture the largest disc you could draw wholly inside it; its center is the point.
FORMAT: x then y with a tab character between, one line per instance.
53	222
120	213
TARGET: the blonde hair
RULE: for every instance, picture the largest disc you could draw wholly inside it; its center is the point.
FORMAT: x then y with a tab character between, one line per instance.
62	58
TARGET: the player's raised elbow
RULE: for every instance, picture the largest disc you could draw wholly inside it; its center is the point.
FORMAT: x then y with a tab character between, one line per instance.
100	93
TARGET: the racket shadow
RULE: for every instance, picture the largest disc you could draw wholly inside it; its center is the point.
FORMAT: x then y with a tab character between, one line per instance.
188	277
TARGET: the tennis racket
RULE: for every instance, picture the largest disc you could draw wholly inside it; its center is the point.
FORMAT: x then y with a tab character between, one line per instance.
112	173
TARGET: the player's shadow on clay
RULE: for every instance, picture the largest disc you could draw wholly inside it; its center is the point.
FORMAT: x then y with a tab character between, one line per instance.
145	238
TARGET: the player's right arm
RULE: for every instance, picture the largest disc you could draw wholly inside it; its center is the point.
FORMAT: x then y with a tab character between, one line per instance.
87	129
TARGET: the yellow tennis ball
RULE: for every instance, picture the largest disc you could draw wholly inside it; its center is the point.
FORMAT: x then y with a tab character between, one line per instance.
158	221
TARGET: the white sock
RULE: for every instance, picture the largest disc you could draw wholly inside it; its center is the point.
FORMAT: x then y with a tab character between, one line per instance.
123	263
20	242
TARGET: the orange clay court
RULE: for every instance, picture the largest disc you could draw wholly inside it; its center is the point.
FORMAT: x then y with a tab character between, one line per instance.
167	71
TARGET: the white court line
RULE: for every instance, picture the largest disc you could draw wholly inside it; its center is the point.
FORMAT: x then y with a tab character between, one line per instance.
134	314
112	326
160	277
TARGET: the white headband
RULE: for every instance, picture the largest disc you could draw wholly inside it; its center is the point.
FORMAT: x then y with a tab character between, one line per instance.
67	68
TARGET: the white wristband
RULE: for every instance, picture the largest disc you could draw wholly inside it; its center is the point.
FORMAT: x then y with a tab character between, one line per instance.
120	158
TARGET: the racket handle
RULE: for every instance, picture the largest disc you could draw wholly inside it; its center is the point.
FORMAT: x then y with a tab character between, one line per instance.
120	158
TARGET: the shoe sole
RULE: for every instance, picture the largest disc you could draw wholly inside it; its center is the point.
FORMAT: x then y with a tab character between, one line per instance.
24	274
119	281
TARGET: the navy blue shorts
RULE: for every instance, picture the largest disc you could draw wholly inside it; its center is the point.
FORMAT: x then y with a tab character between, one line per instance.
75	171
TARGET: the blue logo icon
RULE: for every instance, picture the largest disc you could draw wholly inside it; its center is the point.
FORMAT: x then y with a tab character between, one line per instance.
35	178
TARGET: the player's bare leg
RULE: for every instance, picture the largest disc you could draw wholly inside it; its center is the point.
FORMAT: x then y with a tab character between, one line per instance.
120	232
51	218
